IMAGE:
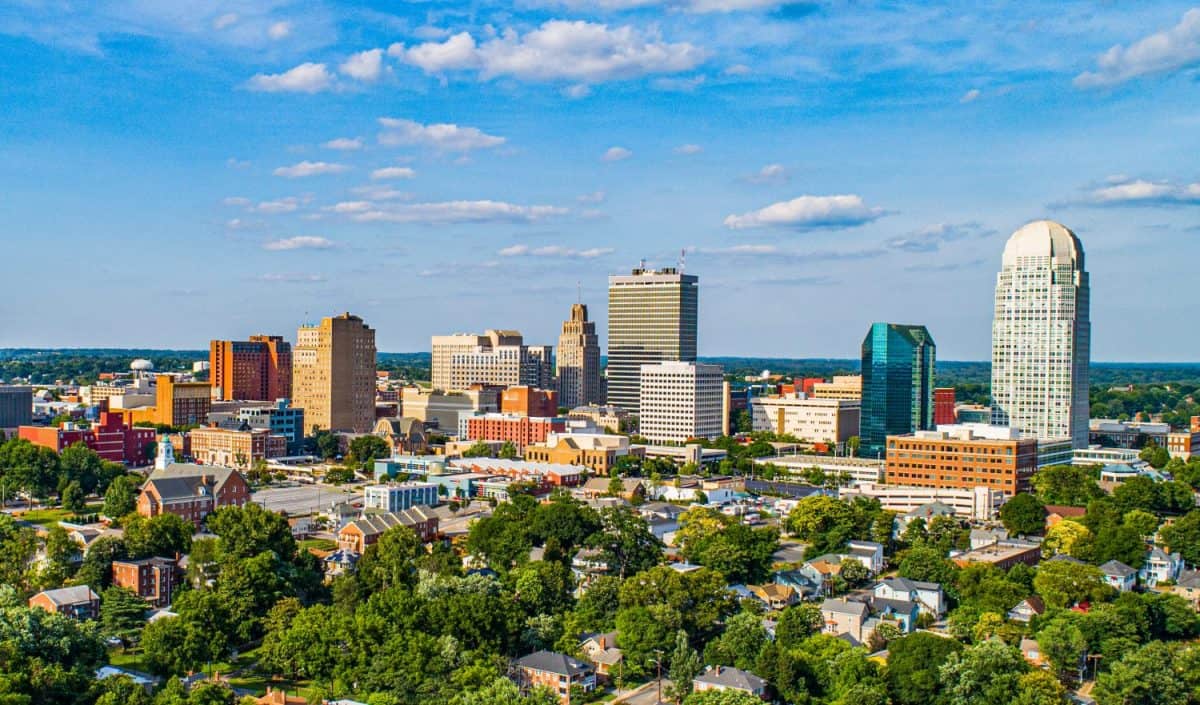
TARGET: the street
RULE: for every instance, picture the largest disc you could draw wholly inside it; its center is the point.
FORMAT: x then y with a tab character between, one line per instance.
301	499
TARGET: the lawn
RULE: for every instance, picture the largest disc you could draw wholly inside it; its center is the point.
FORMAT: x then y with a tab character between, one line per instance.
44	517
319	544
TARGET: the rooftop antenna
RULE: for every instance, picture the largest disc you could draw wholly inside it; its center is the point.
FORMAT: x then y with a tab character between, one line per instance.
682	259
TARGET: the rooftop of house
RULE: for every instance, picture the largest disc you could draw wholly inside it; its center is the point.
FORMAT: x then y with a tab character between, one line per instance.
843	606
729	677
553	662
371	524
186	480
1117	569
905	585
75	595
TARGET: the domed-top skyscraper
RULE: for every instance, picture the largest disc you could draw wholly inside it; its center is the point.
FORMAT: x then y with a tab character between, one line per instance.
1042	335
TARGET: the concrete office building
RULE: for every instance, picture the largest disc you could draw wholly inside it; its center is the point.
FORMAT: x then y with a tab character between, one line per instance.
334	374
1041	335
897	383
840	387
398	496
578	361
682	400
497	358
258	369
281	420
16	406
652	317
813	420
446	411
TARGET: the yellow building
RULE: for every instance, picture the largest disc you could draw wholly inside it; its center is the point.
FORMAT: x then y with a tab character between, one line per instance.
842	387
333	374
595	451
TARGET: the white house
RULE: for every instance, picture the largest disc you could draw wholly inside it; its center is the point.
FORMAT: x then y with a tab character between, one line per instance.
1119	575
869	553
929	596
1159	567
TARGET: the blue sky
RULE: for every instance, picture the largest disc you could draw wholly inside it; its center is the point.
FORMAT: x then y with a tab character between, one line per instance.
171	173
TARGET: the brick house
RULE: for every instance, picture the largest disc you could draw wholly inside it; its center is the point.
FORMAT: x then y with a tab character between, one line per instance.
78	602
189	491
360	533
555	671
153	579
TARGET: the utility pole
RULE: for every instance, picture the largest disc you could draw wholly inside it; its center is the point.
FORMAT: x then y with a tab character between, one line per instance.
658	662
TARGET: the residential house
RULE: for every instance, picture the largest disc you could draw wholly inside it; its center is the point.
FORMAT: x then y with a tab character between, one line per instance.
279	697
602	651
1032	652
987	537
1187	586
632	488
78	602
1057	512
588	564
555	671
1119	575
902	613
729	678
843	616
153	579
806	583
340	562
363	532
1027	609
926	512
1160	567
869	553
929	597
774	595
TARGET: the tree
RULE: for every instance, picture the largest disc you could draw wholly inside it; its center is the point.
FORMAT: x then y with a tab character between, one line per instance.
1065	536
59	564
710	538
983	674
1156	455
364	449
1183	535
96	569
913	664
1038	687
1146	676
1143	522
122	613
684	666
1064	583
479	449
1062	643
391	560
1066	484
163	535
825	523
508	451
797	623
740	643
44	657
625	541
853	443
928	565
250	529
83	465
722	697
1024	515
73	498
121	690
854	572
121	497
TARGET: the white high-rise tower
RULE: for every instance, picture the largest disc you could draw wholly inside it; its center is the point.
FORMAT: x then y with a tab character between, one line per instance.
1041	335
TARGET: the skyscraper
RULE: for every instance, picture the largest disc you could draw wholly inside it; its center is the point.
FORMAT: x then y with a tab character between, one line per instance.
1041	335
578	361
258	369
498	357
652	317
897	383
334	374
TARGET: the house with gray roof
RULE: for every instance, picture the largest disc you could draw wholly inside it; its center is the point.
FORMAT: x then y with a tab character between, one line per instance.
76	602
929	597
842	616
1160	567
729	678
558	672
1119	575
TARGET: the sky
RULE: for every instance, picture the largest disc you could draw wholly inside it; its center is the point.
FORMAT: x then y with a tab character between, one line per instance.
173	172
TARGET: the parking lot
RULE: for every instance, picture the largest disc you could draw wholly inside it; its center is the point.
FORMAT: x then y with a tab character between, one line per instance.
301	499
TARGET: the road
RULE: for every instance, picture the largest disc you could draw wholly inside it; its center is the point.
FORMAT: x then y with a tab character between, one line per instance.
645	695
302	499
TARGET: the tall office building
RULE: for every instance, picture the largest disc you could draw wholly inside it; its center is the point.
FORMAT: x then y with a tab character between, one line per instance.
897	383
579	361
1041	335
497	358
334	374
652	317
258	369
681	401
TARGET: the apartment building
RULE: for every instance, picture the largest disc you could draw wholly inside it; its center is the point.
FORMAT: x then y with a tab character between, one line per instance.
496	358
258	369
333	376
814	420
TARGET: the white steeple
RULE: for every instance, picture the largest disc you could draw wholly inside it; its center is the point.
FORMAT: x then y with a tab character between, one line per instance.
166	454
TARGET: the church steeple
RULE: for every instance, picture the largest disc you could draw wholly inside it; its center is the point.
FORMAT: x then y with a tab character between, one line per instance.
166	454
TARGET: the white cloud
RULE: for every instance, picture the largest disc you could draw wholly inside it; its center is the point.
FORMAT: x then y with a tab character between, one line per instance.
235	163
681	85
305	78
279	30
770	174
307	168
558	49
593	197
292	278
350	207
970	96
441	136
737	70
1141	191
576	91
226	20
281	205
364	66
616	154
236	201
450	212
689	149
345	144
931	238
696	6
808	213
300	242
380	192
1162	52
737	250
555	251
393	172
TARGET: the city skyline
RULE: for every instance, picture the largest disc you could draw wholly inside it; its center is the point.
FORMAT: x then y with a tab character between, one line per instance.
464	166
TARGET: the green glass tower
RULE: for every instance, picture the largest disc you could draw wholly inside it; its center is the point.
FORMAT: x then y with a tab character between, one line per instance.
897	384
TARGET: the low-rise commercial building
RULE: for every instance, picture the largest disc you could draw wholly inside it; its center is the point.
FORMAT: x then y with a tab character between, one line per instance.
239	448
854	469
831	421
16	406
360	533
110	437
395	497
979	503
76	602
841	387
282	419
609	418
547	474
963	456
597	452
1002	554
521	431
443	410
524	400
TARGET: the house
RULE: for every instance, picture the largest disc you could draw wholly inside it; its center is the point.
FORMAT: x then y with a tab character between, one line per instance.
340	562
1032	652
588	564
1187	586
78	602
729	678
405	435
602	651
1160	567
806	584
555	671
153	579
774	595
363	532
147	682
926	512
280	697
869	553
1119	575
189	491
987	537
1027	609
1057	512
631	488
902	613
843	616
928	596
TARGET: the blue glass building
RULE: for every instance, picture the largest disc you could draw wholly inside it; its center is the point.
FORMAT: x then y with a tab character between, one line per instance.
897	384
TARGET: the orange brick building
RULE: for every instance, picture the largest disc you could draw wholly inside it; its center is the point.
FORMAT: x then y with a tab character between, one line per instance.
110	437
961	459
258	369
360	533
528	401
520	430
153	579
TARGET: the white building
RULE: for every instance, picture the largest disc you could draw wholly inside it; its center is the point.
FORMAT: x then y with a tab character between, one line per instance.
979	503
396	497
682	400
498	357
813	420
856	469
1041	335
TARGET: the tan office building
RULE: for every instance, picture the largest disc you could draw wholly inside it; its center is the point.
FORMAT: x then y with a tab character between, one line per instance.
842	387
578	361
813	420
333	378
498	357
233	448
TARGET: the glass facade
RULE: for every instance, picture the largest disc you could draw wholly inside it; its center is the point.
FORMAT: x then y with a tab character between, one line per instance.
897	385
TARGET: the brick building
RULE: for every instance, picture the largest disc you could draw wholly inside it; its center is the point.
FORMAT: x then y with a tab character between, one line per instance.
153	579
77	602
555	671
360	533
235	448
963	456
189	491
258	369
943	406
528	401
520	430
110	437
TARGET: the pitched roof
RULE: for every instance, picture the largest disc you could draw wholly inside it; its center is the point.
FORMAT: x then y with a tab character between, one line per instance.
729	677
182	481
1065	511
371	524
70	595
553	662
906	585
1189	579
1035	603
841	606
1117	568
881	604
